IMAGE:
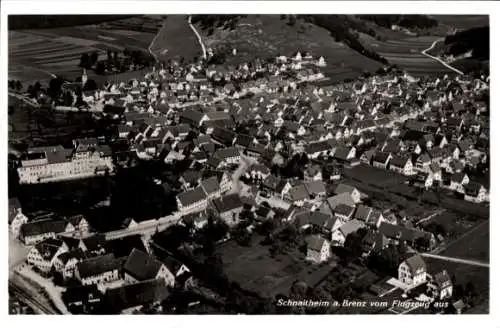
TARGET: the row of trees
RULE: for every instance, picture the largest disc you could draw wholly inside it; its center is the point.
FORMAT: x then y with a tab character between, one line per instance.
121	61
15	85
406	21
339	26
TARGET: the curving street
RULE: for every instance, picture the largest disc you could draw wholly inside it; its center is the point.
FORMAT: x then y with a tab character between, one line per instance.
204	51
424	52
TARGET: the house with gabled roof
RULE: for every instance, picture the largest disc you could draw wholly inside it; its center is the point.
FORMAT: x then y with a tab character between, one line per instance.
65	263
458	180
401	164
78	223
339	236
211	187
16	218
422	162
439	285
344	212
98	270
128	297
352	191
44	254
318	249
363	213
413	271
228	208
381	160
475	192
190	201
140	266
315	189
33	232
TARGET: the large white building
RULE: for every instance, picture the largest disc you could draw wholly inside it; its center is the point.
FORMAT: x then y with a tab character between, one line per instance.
55	163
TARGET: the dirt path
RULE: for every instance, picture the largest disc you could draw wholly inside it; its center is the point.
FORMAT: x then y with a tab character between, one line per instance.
424	52
455	260
204	51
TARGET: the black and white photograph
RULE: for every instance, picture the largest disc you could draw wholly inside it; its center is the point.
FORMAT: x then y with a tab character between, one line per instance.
271	163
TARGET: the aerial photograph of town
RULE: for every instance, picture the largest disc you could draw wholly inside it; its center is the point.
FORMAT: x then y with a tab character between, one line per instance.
248	164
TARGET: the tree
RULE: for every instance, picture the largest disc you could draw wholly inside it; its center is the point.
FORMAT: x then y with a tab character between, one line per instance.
68	99
90	85
85	61
291	20
100	68
55	86
353	242
11	84
94	57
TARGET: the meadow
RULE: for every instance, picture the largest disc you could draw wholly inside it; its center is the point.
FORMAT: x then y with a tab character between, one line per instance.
265	36
176	39
34	55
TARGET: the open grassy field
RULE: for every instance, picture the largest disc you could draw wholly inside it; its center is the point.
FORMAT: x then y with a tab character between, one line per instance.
36	54
176	39
407	54
255	270
264	36
474	245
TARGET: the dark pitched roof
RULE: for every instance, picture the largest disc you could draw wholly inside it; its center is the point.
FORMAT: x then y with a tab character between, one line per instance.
381	157
132	295
416	263
74	254
315	242
227	203
399	161
315	187
82	294
363	213
48	248
192	196
123	246
98	265
43	226
342	152
210	185
141	266
442	279
406	234
344	209
299	193
225	153
75	219
94	242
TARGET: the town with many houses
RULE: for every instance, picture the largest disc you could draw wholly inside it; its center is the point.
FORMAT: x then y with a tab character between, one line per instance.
281	144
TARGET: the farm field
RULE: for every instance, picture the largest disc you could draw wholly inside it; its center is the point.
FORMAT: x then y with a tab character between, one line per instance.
255	270
406	53
473	246
264	36
176	39
36	54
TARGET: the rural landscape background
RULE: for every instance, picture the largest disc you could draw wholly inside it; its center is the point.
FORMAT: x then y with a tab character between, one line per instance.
48	51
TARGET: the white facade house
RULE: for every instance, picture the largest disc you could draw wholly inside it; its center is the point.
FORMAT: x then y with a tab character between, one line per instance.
413	271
